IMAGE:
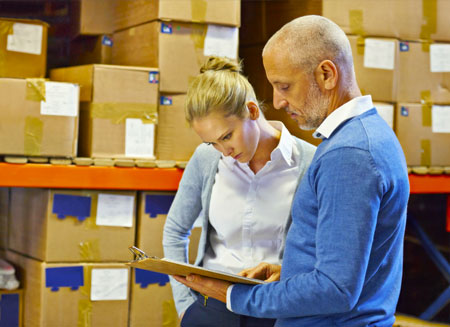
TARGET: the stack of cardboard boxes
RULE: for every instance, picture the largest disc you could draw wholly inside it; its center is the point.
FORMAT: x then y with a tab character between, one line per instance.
401	51
39	117
70	249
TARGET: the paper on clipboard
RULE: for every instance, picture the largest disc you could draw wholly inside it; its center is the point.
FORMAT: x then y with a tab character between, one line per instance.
169	267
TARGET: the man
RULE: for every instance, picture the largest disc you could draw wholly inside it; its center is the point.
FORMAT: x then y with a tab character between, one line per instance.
342	264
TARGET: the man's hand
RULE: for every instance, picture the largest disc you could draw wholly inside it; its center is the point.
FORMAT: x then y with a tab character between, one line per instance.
264	271
210	287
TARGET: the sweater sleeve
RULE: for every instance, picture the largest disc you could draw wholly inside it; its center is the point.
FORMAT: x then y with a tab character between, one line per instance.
348	190
185	209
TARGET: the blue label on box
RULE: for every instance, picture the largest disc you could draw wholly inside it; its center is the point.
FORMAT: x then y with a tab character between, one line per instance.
157	204
404	111
166	28
153	77
9	310
71	205
404	46
165	101
57	277
147	277
106	40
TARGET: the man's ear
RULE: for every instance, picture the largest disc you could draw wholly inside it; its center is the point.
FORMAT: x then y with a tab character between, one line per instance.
253	110
327	75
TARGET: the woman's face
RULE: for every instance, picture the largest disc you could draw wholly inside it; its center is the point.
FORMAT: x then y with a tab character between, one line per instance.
233	136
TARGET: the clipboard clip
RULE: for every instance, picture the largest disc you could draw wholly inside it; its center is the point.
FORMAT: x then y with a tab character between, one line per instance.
138	253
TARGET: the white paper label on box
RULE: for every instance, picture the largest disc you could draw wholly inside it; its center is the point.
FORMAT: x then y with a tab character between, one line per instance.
139	139
440	119
221	41
26	38
115	210
109	284
386	111
379	54
440	58
61	99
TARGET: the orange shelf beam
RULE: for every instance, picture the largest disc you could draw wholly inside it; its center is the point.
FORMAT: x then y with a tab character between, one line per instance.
90	177
421	184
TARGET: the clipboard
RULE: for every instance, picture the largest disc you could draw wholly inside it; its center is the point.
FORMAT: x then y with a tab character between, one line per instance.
170	267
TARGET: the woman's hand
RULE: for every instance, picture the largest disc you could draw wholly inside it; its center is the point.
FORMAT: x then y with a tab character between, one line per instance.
264	271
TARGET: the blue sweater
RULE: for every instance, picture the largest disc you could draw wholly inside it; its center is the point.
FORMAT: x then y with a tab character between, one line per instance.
343	258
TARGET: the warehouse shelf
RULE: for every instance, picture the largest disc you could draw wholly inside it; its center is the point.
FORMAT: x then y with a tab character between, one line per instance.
164	179
89	177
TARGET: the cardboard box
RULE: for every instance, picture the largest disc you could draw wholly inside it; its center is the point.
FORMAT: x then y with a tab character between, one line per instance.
175	140
33	128
72	226
424	133
131	13
153	209
403	19
4	211
95	49
424	72
11	308
376	62
152	303
73	294
23	48
118	111
92	17
178	49
386	111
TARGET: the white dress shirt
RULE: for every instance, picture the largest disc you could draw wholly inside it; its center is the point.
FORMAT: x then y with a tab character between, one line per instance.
248	212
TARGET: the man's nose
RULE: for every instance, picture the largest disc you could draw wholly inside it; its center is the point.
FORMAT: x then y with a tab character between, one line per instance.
279	102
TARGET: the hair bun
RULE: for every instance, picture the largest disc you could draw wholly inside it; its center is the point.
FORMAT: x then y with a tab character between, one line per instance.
221	63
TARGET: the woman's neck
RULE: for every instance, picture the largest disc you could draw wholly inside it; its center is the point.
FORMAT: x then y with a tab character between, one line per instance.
269	139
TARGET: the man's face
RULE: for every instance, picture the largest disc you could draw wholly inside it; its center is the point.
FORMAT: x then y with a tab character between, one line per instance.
294	91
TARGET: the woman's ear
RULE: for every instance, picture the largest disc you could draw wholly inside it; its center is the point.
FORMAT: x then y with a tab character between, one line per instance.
253	110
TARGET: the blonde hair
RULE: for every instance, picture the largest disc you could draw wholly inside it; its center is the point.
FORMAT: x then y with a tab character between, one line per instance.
219	86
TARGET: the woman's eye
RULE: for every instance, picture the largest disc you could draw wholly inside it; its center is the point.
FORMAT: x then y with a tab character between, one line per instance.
209	143
226	137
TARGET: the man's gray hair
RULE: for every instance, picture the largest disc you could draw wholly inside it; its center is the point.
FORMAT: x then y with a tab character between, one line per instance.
309	40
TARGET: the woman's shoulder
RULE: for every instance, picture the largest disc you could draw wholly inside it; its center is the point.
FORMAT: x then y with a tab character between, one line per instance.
205	155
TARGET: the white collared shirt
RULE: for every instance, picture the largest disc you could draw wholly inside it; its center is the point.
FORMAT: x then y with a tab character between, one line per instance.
348	110
248	212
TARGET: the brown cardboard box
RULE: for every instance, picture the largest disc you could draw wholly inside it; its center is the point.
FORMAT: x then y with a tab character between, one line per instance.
4	211
152	303
73	294
115	97
95	49
153	209
380	83
32	128
417	82
23	48
175	140
386	111
11	307
415	124
136	12
403	19
72	226
92	17
178	49
261	19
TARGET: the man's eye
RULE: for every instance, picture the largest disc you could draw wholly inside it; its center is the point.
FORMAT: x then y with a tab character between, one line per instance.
226	137
284	87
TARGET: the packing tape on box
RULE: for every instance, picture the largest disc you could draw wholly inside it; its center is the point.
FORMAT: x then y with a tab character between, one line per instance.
425	154
169	314
356	22
199	8
90	250
35	89
119	112
429	26
84	313
33	133
360	45
425	99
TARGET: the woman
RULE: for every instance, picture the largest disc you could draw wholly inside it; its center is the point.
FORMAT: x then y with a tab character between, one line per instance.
239	184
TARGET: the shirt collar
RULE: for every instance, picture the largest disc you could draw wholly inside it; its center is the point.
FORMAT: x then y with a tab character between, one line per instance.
353	108
283	150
